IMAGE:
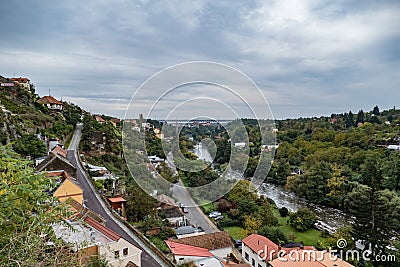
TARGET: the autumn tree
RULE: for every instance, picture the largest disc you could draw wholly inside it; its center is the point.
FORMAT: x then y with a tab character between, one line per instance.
26	215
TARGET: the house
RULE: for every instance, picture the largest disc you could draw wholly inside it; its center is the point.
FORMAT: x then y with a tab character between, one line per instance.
186	253
219	244
56	162
91	238
209	262
99	119
98	169
51	103
118	204
168	209
257	250
58	150
310	259
68	187
22	82
188	231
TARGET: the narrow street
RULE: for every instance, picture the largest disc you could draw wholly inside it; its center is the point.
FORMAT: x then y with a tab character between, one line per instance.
194	214
93	201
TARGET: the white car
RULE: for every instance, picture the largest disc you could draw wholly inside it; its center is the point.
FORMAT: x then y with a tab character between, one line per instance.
214	214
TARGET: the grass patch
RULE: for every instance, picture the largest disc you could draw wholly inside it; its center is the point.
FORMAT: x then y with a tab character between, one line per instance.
159	243
236	232
207	208
310	237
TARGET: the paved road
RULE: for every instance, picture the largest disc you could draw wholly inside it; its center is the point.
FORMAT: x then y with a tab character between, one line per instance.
93	202
195	215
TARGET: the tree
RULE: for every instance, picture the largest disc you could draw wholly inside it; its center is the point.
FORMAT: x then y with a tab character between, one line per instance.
377	217
349	120
283	211
251	224
30	145
375	111
302	220
26	215
138	203
360	117
274	234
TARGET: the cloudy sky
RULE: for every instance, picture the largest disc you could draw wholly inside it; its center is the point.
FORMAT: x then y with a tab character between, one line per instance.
309	58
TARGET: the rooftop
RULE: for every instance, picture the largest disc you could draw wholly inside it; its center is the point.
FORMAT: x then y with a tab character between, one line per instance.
102	229
48	99
116	199
260	243
208	241
187	250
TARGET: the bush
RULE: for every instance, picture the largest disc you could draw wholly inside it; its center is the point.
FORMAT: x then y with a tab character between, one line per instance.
302	220
283	212
274	234
227	222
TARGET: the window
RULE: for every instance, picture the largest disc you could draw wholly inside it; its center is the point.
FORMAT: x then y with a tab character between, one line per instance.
246	256
253	262
125	251
116	254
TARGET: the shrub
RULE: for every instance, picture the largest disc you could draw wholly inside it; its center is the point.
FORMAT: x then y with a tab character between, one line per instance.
283	212
302	220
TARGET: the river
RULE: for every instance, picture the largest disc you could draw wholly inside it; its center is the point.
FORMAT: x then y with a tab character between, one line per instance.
328	219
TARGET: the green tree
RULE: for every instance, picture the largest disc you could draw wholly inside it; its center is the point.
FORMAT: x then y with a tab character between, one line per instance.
302	220
274	234
377	217
360	117
26	215
30	145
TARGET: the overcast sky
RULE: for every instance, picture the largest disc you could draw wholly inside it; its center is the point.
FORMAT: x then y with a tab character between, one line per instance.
309	58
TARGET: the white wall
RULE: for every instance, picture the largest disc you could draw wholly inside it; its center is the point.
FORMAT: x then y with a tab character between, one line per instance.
109	251
252	255
179	259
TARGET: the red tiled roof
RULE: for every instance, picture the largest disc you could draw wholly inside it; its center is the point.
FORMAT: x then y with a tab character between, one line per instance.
209	241
259	243
99	118
102	229
49	100
58	150
116	199
187	250
20	80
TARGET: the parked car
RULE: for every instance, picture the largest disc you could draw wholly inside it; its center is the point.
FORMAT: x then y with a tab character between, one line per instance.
238	244
214	214
218	217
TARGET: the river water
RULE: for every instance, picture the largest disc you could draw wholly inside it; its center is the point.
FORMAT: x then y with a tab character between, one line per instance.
329	219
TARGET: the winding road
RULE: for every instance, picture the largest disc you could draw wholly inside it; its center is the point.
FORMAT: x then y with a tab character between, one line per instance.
93	201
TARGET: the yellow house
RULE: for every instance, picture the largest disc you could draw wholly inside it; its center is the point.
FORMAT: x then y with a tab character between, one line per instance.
67	189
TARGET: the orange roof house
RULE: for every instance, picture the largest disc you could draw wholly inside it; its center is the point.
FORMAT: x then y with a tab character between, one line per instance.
22	82
69	189
217	244
60	151
118	204
51	103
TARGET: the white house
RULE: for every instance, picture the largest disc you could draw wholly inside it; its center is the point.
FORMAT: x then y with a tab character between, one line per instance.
93	238
218	244
51	103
